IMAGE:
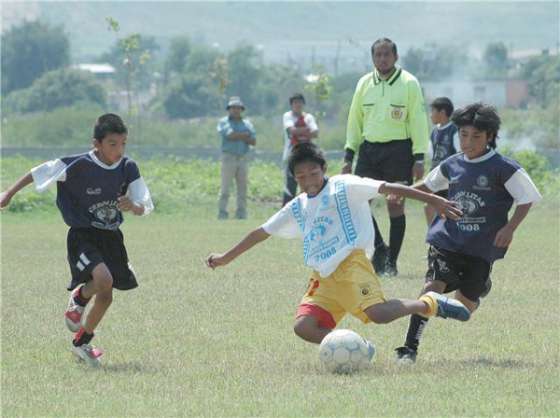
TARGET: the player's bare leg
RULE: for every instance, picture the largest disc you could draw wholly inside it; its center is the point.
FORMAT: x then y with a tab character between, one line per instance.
307	327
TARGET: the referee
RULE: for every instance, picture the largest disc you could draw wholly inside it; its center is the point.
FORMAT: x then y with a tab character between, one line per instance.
388	128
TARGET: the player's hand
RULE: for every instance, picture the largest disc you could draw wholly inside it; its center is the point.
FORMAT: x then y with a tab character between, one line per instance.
216	260
5	199
446	208
125	204
393	198
503	237
418	171
346	168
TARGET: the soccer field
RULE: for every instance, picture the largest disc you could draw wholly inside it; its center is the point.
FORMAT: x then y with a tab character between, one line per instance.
195	342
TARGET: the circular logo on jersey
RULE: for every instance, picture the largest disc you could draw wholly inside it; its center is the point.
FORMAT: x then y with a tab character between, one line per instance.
468	206
482	181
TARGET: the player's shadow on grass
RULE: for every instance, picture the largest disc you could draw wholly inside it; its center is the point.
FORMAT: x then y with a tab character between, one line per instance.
128	367
504	363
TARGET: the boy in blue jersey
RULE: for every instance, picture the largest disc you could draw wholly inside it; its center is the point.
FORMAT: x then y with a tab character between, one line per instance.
93	189
485	185
444	141
332	218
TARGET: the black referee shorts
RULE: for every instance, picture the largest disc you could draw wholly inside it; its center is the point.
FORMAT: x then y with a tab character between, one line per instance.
389	161
469	274
88	247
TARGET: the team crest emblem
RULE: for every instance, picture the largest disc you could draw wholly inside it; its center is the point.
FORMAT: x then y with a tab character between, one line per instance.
482	181
396	113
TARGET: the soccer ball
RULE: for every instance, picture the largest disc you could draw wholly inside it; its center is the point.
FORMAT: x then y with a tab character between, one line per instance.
344	351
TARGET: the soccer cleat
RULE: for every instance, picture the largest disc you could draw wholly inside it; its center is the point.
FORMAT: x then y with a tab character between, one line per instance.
74	312
390	269
89	354
449	308
406	355
379	259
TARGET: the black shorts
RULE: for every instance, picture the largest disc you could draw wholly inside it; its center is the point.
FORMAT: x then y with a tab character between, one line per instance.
389	161
88	247
469	274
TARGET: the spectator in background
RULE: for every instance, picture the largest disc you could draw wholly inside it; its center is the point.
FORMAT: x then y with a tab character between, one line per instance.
238	135
298	127
444	142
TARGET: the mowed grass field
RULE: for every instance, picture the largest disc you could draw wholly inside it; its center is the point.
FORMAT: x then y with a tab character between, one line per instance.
195	342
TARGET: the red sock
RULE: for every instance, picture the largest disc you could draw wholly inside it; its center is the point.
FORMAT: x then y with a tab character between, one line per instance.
82	337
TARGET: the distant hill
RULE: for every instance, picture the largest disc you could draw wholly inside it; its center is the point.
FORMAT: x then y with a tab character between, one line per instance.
315	30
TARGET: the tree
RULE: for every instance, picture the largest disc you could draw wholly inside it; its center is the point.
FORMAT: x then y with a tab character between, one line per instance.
58	88
176	60
434	62
191	96
543	75
131	56
244	75
496	59
30	50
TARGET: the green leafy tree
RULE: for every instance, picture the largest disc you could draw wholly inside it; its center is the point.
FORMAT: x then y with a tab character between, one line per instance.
58	88
191	96
433	62
30	50
244	74
177	57
496	59
543	75
132	56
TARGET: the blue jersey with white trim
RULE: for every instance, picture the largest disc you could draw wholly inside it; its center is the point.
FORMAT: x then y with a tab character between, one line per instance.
442	143
87	190
479	189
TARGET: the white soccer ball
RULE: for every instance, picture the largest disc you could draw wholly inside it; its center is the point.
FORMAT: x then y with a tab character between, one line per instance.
344	351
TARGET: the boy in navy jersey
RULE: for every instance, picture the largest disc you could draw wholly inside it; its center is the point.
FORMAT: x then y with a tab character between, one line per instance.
444	141
93	189
485	184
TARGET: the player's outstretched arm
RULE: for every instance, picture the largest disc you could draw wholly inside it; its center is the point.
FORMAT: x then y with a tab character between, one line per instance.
6	197
505	234
125	204
443	206
250	240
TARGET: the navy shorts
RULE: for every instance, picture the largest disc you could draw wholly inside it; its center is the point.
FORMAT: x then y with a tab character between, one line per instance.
389	161
88	247
469	274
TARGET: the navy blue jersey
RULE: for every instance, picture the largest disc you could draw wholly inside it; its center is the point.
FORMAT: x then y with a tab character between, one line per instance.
442	143
87	189
485	189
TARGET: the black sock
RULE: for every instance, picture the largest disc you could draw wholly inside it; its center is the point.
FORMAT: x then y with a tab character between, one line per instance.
378	237
82	337
398	226
79	298
415	329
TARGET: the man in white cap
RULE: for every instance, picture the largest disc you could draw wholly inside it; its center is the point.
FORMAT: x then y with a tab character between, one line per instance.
237	134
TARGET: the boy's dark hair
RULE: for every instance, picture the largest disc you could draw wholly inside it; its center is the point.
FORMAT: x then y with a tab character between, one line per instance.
443	103
297	96
383	41
109	123
306	151
483	117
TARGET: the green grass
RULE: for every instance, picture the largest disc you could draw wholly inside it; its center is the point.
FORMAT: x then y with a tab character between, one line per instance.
195	342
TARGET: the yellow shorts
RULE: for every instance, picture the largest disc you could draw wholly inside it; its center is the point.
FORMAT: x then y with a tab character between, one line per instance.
351	288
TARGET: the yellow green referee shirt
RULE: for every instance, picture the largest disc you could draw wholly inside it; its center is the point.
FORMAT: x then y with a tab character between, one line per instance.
388	110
